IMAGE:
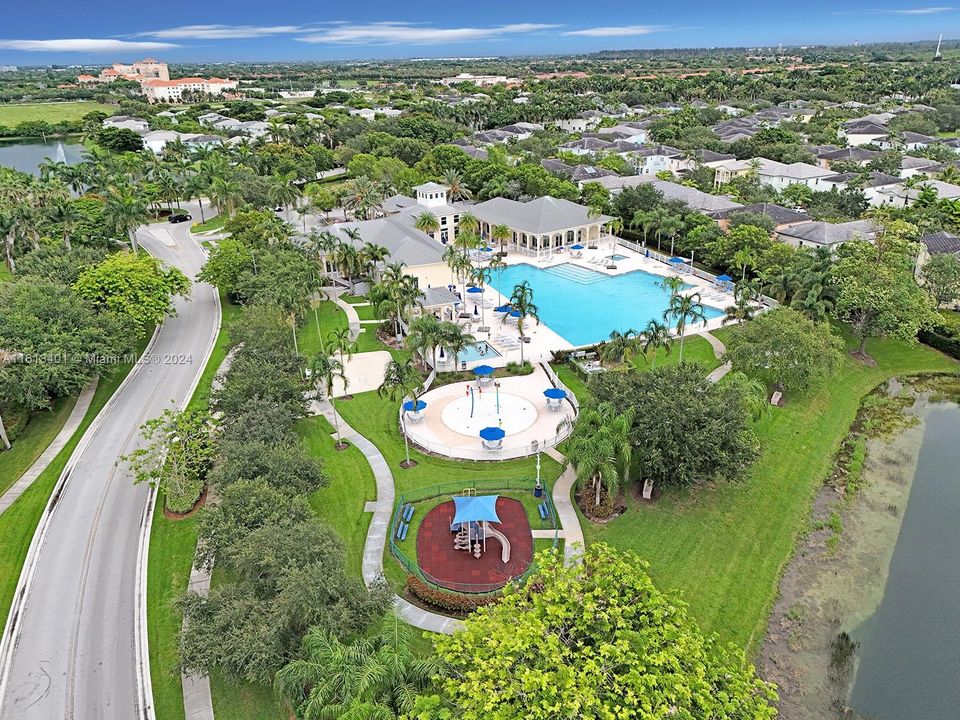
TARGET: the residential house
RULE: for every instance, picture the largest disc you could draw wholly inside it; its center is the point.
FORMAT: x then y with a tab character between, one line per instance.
126	122
910	166
578	174
906	140
860	156
697	200
727	170
824	234
798	173
938	243
865	133
173	91
903	196
586	146
781	216
649	160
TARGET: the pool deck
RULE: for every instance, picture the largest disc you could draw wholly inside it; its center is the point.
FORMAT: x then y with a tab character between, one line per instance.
504	336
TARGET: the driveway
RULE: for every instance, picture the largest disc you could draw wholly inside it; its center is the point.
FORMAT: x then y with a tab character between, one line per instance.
74	651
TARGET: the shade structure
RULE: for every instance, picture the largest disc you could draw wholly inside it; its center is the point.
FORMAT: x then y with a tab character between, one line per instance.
483	370
555	393
724	278
676	260
502	308
409	406
475	508
492	433
475	290
578	246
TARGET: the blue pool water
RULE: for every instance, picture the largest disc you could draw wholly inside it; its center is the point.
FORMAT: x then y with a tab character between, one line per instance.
478	351
583	306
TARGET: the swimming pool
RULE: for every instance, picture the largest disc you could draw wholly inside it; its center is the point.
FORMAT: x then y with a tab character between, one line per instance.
583	306
478	351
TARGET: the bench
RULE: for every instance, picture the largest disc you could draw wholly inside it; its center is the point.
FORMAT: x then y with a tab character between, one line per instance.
544	510
408	513
402	530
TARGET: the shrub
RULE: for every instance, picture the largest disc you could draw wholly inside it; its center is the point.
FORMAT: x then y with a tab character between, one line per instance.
514	368
447	599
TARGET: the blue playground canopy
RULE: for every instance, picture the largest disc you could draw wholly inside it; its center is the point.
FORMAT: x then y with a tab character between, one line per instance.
475	289
578	246
470	508
483	370
555	393
492	433
503	308
724	278
408	406
676	260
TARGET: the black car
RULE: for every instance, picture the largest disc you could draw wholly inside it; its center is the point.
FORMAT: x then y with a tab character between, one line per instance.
182	217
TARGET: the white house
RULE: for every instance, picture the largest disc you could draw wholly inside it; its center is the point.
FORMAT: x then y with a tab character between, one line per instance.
903	196
126	122
824	234
866	133
172	91
586	146
656	158
869	186
905	140
797	173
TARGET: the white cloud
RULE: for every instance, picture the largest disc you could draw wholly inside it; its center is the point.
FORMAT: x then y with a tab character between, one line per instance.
619	30
408	33
222	32
900	11
87	45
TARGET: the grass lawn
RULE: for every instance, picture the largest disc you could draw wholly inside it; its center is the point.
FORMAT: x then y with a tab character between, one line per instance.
14	114
366	312
19	522
214	223
354	299
724	547
328	316
695	349
39	432
172	546
351	485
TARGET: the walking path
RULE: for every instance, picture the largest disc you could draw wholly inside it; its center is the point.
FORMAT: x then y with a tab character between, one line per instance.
567	515
353	320
53	449
718	349
380	526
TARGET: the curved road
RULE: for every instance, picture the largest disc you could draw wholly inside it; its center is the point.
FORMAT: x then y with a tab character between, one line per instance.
74	649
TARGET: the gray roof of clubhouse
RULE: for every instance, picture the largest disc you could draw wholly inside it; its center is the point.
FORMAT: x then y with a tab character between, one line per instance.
404	242
542	215
438	296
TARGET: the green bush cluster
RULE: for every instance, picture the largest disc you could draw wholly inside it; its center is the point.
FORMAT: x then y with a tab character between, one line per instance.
447	599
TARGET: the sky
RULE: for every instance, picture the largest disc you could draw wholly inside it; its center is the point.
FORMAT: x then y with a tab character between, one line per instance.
39	32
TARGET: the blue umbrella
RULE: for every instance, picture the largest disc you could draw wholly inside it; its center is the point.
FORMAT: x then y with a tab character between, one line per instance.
515	313
492	433
475	289
486	248
724	278
676	260
408	406
555	393
578	246
483	370
503	308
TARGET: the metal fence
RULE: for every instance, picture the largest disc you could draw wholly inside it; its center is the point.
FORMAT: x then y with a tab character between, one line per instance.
457	488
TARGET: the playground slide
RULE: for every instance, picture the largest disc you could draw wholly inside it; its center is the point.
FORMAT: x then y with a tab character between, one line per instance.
504	542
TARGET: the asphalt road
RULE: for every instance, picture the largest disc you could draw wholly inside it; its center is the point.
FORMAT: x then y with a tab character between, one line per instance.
74	654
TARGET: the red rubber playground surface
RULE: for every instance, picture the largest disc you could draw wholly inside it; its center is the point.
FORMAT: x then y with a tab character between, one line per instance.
460	570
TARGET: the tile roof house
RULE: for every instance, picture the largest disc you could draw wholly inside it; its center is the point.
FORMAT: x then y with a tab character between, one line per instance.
903	196
866	133
824	234
586	146
780	215
910	165
858	155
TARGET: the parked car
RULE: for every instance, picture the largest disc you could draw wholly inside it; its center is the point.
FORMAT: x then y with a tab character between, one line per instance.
179	218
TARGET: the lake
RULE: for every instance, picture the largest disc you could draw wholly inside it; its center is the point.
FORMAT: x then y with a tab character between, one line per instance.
27	156
909	649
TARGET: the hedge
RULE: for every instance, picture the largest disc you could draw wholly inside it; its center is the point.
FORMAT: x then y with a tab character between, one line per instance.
942	339
447	599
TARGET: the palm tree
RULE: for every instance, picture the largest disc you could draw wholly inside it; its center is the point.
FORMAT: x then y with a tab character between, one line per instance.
685	309
671	225
284	191
672	284
599	448
347	259
126	211
480	277
427	222
194	186
620	346
371	678
744	257
339	342
744	306
325	369
374	255
500	234
225	195
65	213
403	379
425	336
656	335
458	191
363	197
521	300
455	339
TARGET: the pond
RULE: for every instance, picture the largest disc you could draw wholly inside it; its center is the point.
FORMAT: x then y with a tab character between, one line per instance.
26	156
867	623
909	648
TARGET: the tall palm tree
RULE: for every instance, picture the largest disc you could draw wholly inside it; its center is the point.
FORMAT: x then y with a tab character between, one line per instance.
363	196
374	255
685	309
480	277
521	300
672	284
225	195
284	191
65	213
126	210
671	225
656	335
500	234
194	186
620	346
339	342
744	257
744	305
371	678
458	191
599	448
404	380
426	334
427	222
325	369
455	339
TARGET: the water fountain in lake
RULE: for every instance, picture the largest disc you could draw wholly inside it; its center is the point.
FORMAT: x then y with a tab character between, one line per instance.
60	156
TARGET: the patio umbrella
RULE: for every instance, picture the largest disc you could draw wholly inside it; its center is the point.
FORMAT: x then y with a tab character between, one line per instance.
475	290
503	308
724	278
409	407
483	370
676	261
492	434
555	393
515	314
486	248
578	246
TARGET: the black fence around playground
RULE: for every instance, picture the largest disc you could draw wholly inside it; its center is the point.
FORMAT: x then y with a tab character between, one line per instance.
460	488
